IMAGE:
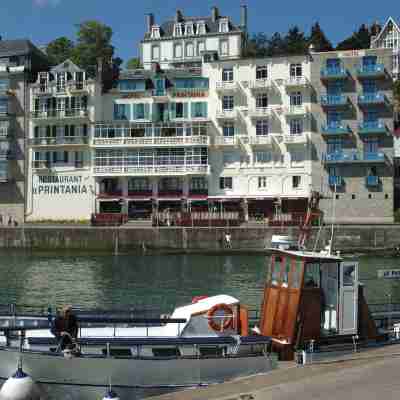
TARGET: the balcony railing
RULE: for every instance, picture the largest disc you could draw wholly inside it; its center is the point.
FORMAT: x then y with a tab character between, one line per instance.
372	99
140	193
335	180
226	86
189	92
153	141
260	140
43	164
372	180
170	193
225	140
296	110
51	88
355	156
297	81
336	129
110	193
371	71
334	73
300	138
58	141
261	84
153	170
226	114
69	113
4	155
330	100
260	112
372	127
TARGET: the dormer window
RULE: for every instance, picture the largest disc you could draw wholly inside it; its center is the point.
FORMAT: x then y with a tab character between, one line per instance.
189	29
201	28
155	32
223	25
178	30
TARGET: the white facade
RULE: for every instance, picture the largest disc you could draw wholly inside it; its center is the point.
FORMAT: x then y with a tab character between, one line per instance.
60	182
389	38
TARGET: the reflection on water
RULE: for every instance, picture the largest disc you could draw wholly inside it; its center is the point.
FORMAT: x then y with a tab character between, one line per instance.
159	281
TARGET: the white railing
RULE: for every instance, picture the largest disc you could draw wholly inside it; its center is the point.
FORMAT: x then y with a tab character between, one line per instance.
260	140
226	114
226	86
260	84
225	141
51	88
153	141
297	81
260	112
54	141
69	113
296	110
295	139
152	169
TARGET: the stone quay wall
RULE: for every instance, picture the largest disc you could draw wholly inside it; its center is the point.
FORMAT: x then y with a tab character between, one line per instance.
130	239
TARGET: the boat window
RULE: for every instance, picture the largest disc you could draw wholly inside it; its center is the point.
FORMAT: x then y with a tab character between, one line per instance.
348	275
296	274
212	351
312	275
329	306
286	270
118	352
276	270
166	352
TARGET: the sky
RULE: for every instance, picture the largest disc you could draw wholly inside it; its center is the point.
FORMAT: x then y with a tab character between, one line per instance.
44	20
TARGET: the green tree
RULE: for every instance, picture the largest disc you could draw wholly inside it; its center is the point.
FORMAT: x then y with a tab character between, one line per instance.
318	39
295	41
59	50
276	45
93	44
133	63
358	40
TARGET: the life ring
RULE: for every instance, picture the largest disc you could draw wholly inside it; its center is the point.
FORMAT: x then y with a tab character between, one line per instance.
227	321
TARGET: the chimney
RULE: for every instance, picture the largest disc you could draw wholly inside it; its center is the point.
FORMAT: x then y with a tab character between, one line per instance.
243	17
149	22
214	14
178	16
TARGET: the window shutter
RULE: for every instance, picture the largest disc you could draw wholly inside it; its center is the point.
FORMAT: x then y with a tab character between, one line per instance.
54	131
72	130
193	109
173	110
146	111
204	110
85	130
66	156
116	111
134	111
36	132
154	112
185	110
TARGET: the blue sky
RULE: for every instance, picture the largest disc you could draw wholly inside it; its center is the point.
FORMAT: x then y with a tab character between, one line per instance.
43	20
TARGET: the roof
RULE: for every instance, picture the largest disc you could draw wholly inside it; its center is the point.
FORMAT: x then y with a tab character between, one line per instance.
142	74
16	47
66	65
390	19
167	27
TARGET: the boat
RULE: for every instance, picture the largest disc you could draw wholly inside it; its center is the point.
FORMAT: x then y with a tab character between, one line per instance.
202	343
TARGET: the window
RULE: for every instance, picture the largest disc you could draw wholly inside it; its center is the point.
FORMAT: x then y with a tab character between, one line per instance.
296	99
262	72
333	171
371	146
121	111
189	29
262	157
227	74
4	85
333	119
189	50
201	46
224	47
228	129
296	126
297	156
178	110
178	30
201	28
369	62
262	128
199	109
140	111
296	70
155	52
296	181
334	145
198	183
262	100
228	158
60	80
333	64
3	105
227	103
4	128
334	88
369	86
223	25
178	51
371	117
226	182
262	182
155	32
353	196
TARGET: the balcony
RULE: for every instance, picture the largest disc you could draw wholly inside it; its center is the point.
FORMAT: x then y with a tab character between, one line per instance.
260	113
372	181
225	141
226	114
110	194
373	99
328	74
4	155
335	129
371	71
170	194
151	170
261	84
198	194
41	165
152	141
297	81
226	86
77	87
265	140
140	193
355	156
296	111
300	138
60	114
59	141
189	92
334	101
372	128
335	180
48	165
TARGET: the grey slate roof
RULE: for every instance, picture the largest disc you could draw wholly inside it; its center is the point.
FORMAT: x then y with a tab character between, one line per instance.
167	28
16	47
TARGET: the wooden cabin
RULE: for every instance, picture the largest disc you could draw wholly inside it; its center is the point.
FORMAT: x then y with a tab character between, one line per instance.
312	296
